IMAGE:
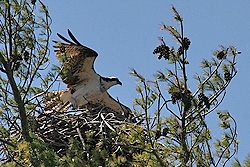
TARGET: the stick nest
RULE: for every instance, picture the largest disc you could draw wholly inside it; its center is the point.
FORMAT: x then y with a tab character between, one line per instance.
57	128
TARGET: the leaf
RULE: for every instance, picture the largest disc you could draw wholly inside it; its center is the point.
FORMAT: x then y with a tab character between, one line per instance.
172	30
223	116
170	73
247	161
177	16
161	76
140	77
154	96
236	163
139	88
173	89
205	64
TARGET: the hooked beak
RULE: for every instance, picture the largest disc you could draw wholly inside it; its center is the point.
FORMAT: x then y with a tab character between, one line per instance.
119	82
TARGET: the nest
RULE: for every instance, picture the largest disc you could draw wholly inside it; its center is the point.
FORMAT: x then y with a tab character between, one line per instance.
57	128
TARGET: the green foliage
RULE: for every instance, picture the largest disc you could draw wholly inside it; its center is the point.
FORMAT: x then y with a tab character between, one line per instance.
171	129
35	153
246	162
24	36
180	112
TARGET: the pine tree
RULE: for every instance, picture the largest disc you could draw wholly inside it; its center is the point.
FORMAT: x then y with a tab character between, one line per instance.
175	116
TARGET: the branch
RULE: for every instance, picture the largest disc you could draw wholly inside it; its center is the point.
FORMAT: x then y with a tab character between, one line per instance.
233	139
40	94
147	116
165	101
204	82
17	95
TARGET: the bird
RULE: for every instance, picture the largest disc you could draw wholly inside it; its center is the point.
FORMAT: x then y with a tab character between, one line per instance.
84	85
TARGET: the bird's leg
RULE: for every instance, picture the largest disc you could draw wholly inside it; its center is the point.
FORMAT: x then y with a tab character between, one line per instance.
67	98
73	101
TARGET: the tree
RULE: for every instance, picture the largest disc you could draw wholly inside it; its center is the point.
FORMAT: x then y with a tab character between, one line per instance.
171	127
175	120
24	41
246	162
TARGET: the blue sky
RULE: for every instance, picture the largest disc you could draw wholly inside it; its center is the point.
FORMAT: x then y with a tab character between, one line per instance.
125	33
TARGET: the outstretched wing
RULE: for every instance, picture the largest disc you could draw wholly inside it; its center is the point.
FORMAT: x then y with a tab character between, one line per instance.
114	105
56	101
77	60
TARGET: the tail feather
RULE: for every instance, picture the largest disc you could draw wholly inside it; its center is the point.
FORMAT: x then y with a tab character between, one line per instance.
57	101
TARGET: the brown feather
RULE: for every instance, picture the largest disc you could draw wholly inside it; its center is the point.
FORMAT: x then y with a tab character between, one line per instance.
77	60
53	101
73	37
109	102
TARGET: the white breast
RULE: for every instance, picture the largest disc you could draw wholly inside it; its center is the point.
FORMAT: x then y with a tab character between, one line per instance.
86	92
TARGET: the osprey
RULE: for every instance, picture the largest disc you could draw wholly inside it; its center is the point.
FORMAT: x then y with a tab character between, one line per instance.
84	85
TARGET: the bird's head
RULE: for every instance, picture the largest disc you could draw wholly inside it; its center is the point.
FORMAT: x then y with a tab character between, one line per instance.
110	81
115	80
